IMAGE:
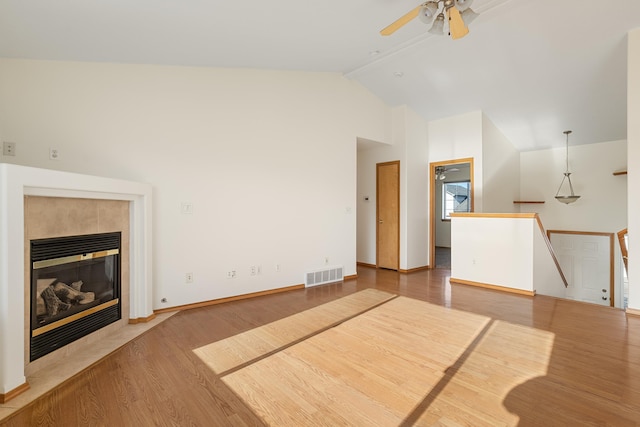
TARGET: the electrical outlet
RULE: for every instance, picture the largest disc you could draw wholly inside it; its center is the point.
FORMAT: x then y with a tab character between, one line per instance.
278	267
9	148
188	278
186	208
231	274
254	270
54	154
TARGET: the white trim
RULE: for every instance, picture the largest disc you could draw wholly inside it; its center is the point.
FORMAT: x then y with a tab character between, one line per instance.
16	182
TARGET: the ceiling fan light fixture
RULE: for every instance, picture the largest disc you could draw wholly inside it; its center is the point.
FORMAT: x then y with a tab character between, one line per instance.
434	13
463	5
438	25
468	16
428	12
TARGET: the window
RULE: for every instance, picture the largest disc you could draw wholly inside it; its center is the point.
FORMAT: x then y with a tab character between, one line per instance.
455	198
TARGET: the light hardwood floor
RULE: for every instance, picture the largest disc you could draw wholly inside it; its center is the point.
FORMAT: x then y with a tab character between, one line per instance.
416	351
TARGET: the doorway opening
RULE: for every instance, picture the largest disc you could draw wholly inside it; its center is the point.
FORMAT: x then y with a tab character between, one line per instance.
451	189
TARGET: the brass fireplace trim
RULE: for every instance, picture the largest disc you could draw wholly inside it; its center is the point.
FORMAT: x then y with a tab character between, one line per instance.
73	258
73	317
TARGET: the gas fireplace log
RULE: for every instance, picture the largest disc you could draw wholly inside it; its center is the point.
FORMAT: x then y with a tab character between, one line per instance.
53	303
68	294
87	297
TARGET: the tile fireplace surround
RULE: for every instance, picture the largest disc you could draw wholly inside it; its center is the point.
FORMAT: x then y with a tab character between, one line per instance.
16	182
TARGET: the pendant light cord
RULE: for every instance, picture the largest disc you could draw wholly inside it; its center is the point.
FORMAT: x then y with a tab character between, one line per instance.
567	155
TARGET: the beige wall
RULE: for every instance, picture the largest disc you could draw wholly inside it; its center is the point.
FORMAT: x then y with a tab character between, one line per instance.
602	206
501	170
267	160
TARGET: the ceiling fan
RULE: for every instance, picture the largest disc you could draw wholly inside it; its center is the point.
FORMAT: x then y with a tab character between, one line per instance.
441	170
458	13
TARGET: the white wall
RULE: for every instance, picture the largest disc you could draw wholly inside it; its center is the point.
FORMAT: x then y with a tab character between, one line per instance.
602	206
409	146
417	170
500	170
367	159
366	201
450	138
633	165
267	158
453	138
479	245
459	137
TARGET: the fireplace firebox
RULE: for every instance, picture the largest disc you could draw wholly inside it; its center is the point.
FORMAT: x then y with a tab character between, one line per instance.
75	288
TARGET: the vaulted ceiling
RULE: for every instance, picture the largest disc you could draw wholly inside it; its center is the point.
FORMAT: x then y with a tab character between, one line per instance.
535	68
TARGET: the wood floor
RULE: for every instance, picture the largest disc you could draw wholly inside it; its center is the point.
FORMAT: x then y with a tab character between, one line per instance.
418	352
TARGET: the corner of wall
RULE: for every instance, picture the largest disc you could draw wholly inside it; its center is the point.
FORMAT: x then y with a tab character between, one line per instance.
501	169
633	161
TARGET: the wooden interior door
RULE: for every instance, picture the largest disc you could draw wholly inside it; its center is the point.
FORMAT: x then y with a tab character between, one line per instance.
388	215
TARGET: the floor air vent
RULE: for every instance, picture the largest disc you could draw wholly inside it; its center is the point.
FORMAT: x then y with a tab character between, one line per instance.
320	277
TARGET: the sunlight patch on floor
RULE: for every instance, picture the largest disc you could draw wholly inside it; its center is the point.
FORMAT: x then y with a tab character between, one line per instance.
506	356
235	351
404	361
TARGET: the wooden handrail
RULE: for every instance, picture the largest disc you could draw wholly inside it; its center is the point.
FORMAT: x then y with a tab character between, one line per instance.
551	251
493	215
623	248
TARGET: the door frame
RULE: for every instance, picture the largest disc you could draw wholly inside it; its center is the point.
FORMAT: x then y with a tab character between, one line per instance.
378	165
432	200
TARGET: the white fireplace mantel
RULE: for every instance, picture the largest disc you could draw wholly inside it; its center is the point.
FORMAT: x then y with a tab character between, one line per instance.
19	181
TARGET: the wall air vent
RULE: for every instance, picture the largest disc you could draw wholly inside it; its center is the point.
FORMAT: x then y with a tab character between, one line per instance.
320	277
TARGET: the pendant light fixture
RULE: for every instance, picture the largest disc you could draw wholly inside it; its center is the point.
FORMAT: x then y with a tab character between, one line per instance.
567	176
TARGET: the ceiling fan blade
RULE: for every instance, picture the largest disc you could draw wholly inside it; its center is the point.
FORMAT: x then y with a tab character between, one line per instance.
401	22
456	24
